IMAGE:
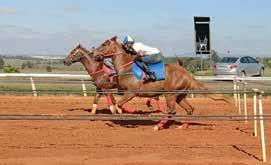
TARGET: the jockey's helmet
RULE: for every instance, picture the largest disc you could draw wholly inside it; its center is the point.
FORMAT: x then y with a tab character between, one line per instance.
128	39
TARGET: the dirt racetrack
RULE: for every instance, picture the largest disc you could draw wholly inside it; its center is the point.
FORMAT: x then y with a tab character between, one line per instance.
126	142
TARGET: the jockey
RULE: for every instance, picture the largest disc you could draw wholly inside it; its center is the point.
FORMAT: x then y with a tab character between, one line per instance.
145	55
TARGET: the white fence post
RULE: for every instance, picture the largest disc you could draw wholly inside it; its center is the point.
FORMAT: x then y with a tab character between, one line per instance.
262	126
238	97
255	112
33	87
84	88
234	89
245	100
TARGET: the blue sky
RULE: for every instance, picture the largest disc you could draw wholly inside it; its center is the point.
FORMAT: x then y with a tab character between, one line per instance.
56	26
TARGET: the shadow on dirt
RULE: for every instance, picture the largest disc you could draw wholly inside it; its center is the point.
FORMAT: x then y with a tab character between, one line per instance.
137	123
100	111
107	111
245	152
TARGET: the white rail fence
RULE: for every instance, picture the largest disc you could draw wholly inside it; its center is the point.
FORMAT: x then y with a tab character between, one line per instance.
236	80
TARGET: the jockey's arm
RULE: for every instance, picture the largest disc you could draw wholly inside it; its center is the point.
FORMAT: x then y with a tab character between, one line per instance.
140	53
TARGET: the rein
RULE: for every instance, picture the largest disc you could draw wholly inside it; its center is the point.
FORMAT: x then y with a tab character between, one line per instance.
111	53
95	71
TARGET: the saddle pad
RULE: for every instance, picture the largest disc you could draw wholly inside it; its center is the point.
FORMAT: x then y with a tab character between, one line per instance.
108	70
158	69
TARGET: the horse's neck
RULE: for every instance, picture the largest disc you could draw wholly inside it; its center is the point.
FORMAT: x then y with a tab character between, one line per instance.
89	66
121	62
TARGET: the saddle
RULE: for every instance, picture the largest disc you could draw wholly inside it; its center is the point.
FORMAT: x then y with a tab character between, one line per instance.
158	69
110	72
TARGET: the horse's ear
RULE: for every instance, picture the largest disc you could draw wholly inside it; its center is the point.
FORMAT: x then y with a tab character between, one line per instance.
114	38
106	43
79	46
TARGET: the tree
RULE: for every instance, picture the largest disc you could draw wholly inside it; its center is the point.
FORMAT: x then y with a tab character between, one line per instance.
214	56
2	63
29	64
48	69
10	69
23	66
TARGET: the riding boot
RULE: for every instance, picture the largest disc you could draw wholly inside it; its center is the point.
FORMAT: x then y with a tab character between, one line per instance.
150	76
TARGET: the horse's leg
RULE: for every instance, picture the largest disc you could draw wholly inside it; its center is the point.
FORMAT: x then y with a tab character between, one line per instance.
110	98
181	100
120	105
148	102
171	102
158	103
96	99
114	102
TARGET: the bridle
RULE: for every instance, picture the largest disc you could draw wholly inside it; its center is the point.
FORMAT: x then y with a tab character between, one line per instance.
111	54
110	50
86	55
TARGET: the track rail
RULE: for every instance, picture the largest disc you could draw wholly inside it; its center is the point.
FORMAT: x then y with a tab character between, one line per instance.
137	117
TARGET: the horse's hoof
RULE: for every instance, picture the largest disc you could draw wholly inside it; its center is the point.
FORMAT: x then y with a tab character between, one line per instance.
94	108
156	128
190	112
119	110
112	109
184	126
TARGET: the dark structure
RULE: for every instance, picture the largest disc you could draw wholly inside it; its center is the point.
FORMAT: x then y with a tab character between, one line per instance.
202	36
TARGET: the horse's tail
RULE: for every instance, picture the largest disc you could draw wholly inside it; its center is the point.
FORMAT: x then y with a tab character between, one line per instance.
197	85
179	61
220	97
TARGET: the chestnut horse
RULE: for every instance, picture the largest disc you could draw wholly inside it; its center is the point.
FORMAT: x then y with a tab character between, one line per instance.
176	78
99	76
94	69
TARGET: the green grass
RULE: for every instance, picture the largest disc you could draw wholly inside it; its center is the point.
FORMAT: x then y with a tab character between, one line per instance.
204	73
43	86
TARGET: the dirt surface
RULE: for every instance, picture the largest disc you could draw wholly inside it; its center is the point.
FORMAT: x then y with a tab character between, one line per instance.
126	142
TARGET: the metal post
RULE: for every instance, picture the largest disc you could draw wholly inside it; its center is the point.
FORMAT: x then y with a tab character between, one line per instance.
255	112
201	67
51	64
238	97
84	88
210	62
262	126
245	100
33	87
234	89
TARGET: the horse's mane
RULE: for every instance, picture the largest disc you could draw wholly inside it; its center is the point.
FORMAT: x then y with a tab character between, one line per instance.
79	46
123	49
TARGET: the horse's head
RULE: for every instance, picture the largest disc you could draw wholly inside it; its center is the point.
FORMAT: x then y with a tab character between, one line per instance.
108	49
76	55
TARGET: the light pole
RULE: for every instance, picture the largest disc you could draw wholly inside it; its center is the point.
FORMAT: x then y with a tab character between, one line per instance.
51	64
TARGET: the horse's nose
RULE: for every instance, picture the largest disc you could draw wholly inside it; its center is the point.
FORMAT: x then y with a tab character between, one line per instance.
66	62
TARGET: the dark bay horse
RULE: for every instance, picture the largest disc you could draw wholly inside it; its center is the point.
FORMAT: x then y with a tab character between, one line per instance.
99	76
176	78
